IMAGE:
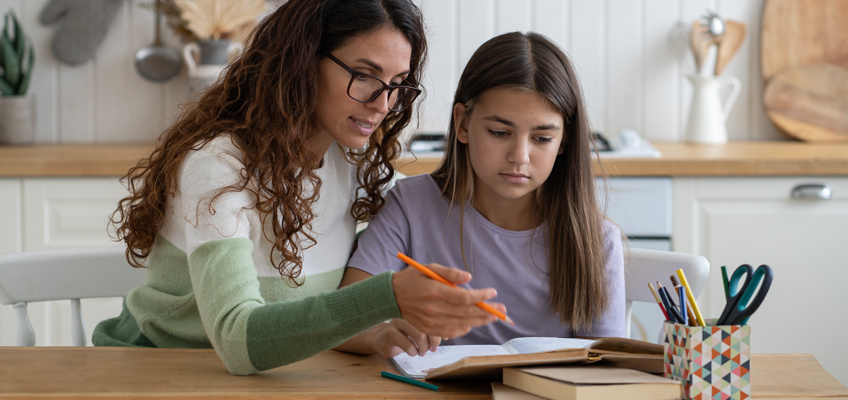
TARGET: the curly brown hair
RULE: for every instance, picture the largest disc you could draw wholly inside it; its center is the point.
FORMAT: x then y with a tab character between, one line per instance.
266	100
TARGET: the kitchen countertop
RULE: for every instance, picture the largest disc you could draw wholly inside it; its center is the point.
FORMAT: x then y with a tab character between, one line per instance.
773	158
784	158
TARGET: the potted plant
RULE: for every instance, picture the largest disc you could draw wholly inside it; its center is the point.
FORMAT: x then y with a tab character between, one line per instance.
17	110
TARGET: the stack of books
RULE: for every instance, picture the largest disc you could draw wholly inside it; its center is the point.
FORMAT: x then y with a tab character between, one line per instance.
583	382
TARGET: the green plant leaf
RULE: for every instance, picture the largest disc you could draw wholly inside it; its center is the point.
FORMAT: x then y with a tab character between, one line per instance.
5	88
10	63
20	38
6	27
24	86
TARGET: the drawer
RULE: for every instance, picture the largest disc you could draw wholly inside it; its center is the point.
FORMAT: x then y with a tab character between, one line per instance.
641	207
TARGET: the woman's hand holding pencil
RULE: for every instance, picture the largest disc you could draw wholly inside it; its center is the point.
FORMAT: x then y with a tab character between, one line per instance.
441	308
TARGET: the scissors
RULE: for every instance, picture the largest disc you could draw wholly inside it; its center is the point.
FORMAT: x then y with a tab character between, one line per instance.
739	304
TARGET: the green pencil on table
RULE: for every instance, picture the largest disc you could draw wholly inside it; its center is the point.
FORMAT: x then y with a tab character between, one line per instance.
410	381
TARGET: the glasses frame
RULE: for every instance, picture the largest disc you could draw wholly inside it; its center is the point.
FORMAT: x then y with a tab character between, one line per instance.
354	74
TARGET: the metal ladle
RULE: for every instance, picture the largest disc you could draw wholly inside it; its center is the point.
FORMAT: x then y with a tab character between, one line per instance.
715	25
157	62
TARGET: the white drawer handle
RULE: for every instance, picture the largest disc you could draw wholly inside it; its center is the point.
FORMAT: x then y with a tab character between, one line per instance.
812	192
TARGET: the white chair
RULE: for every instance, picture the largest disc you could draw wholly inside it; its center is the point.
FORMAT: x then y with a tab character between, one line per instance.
60	275
643	266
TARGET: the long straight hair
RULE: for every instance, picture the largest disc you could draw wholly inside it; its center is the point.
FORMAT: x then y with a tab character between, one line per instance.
566	200
266	101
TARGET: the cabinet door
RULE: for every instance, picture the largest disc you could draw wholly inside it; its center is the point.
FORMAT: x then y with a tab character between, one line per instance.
10	242
734	221
61	213
57	213
10	215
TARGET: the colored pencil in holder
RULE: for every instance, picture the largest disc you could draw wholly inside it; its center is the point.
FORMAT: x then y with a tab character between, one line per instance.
690	315
681	293
659	301
673	315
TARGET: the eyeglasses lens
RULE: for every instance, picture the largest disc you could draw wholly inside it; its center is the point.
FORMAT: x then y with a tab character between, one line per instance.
365	88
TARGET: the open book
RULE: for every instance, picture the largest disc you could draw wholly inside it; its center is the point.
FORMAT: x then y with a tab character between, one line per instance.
487	361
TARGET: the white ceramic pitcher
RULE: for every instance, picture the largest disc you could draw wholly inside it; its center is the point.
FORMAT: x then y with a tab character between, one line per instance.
206	60
707	116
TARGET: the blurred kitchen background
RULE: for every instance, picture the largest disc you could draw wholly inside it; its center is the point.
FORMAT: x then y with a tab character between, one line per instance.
628	54
632	57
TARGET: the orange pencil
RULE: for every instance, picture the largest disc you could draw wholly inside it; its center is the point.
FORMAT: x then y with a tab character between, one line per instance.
433	275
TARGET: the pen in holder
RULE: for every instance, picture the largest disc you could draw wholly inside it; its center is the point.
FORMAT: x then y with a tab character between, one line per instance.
709	360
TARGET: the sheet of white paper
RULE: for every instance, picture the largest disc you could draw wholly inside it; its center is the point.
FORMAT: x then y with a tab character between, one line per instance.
528	345
416	367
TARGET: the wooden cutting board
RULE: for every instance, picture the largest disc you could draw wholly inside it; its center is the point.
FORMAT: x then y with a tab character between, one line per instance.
809	102
798	32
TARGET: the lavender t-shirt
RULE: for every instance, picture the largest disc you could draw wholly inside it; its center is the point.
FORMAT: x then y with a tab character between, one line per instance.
416	220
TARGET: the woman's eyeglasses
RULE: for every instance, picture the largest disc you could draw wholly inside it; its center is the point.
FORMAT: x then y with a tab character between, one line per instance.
364	88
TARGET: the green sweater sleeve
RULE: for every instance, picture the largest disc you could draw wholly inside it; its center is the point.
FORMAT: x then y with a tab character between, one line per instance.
251	336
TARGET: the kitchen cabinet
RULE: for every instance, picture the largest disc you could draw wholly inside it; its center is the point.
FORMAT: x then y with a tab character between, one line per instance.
755	220
56	213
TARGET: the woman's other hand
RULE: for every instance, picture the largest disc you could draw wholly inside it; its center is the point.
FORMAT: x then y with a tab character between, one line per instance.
440	310
399	336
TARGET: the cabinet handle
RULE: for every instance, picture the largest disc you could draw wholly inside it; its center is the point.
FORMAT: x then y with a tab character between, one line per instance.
812	192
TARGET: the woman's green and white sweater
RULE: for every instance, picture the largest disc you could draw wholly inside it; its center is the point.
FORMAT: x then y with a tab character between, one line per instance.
211	282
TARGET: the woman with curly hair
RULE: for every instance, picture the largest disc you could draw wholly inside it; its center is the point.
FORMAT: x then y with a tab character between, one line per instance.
245	212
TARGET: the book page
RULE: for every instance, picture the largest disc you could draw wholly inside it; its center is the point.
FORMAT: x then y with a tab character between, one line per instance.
417	367
528	345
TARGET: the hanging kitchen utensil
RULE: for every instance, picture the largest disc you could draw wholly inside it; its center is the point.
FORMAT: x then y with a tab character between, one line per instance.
809	102
158	62
731	41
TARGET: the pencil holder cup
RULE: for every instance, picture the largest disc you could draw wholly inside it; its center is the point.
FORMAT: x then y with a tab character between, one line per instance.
712	362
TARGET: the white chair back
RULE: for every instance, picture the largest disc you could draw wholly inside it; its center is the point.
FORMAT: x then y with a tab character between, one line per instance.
643	266
71	274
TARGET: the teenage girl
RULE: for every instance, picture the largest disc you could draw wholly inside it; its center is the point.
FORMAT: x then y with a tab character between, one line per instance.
245	213
513	202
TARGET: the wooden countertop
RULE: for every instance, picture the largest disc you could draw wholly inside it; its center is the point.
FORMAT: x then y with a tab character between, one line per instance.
782	158
775	158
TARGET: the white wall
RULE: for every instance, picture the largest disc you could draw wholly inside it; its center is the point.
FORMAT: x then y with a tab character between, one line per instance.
623	51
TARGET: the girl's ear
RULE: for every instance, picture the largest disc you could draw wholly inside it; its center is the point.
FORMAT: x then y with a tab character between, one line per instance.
561	148
459	123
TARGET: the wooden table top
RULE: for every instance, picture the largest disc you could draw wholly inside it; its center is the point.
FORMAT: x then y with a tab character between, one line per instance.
773	158
73	373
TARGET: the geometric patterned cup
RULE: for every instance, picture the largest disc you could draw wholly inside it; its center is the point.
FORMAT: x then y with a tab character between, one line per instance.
713	362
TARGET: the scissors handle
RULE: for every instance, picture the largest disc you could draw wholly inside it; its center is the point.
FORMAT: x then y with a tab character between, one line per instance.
740	306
